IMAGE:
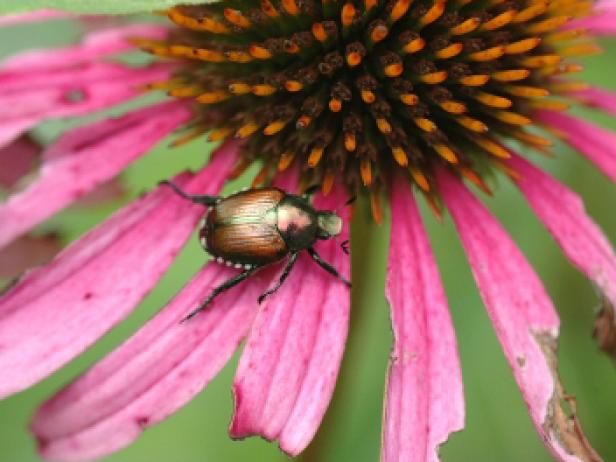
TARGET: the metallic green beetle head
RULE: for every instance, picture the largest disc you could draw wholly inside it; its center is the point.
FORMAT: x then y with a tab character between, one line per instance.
328	225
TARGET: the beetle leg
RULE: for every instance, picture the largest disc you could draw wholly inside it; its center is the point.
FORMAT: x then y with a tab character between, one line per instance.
326	266
218	290
283	276
196	198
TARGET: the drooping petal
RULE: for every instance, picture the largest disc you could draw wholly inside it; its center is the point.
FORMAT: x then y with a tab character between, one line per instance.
603	23
26	101
84	158
424	397
289	367
17	160
523	317
562	212
57	311
27	252
599	98
596	143
31	16
94	46
156	372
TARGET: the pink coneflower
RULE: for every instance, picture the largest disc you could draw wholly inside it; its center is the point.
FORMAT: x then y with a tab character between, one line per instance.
390	100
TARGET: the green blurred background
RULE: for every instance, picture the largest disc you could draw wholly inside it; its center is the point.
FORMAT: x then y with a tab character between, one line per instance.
497	424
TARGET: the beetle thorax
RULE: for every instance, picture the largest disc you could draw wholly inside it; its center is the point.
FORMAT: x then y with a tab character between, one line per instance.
292	219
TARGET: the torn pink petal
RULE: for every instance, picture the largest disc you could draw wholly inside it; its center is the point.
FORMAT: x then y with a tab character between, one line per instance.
562	212
598	98
17	160
596	143
289	367
27	252
94	46
32	16
59	310
424	398
84	158
68	94
522	314
166	364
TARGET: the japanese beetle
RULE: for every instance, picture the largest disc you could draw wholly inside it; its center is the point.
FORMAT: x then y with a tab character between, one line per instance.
256	227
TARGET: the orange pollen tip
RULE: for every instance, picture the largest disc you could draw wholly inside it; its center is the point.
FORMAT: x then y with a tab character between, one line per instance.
219	134
350	143
409	99
318	31
487	55
328	182
239	88
466	27
511	76
257	51
425	124
435	12
400	156
285	161
353	59
268	9
303	122
394	70
290	7
526	91
367	96
335	105
490	100
414	46
365	169
263	90
522	46
400	8
499	21
449	51
347	15
383	125
246	130
453	107
315	156
474	80
293	86
212	97
369	4
236	18
471	124
274	127
434	78
420	179
446	153
379	33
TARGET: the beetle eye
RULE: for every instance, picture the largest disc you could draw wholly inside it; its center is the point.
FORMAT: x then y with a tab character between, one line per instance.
329	225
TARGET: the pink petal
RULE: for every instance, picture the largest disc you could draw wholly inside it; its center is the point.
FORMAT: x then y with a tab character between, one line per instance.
32	16
597	144
27	252
69	93
156	372
562	212
17	160
424	401
84	158
522	315
602	24
111	191
289	367
599	98
59	310
95	46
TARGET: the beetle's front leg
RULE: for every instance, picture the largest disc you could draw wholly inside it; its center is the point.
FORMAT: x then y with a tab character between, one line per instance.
283	276
218	290
326	266
196	198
